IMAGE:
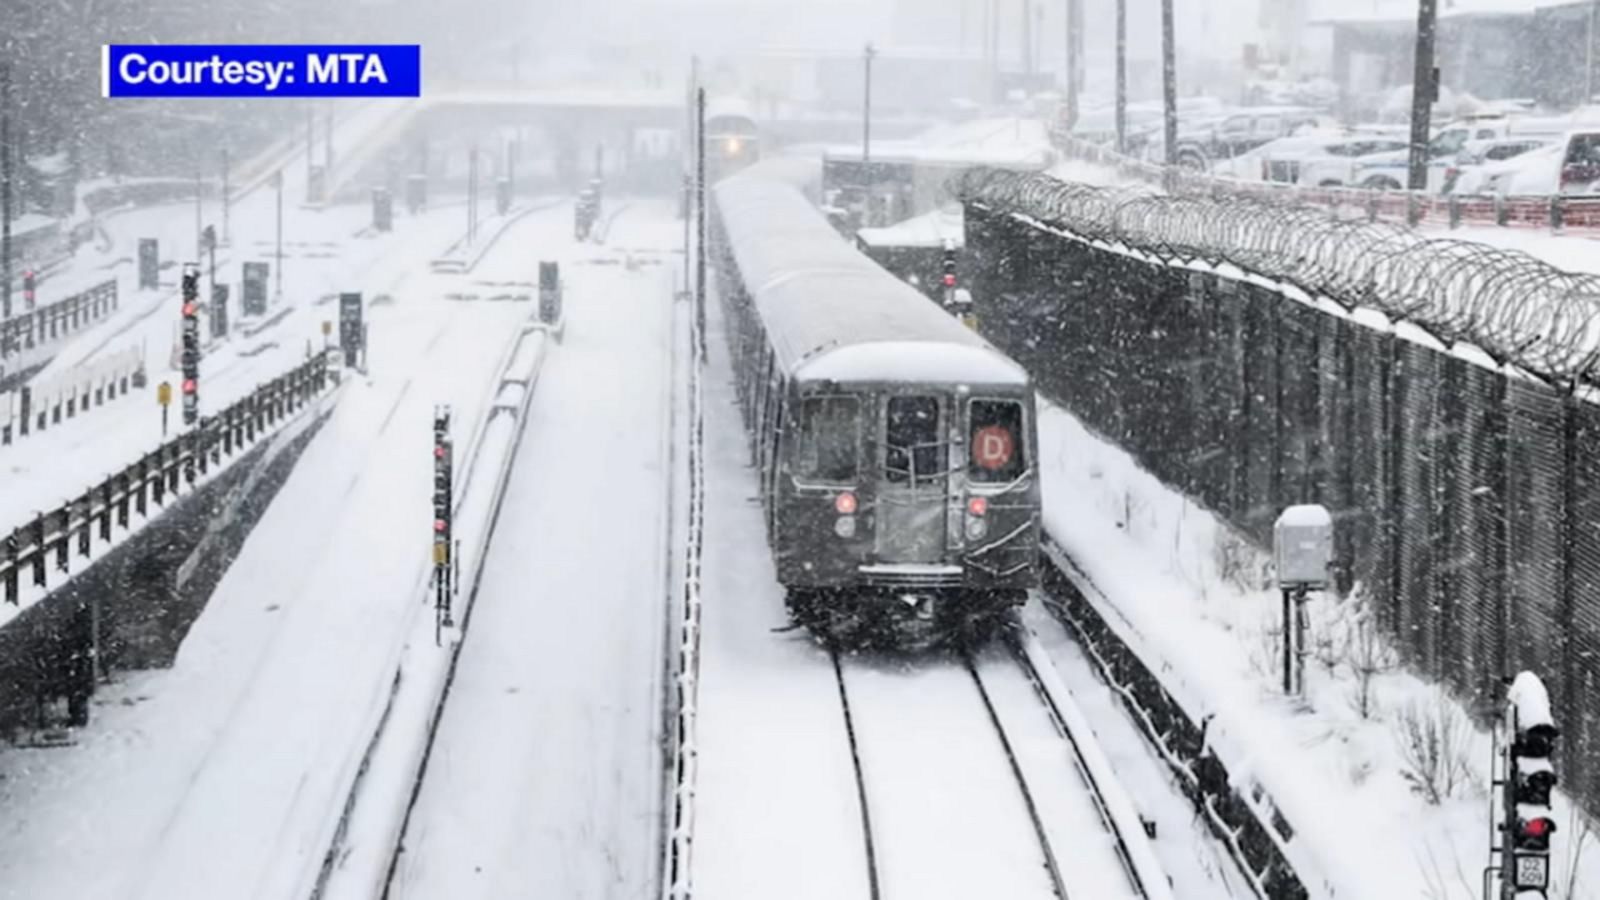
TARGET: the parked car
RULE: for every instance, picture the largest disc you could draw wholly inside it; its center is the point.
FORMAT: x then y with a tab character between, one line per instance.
1569	166
1389	171
1300	159
1480	160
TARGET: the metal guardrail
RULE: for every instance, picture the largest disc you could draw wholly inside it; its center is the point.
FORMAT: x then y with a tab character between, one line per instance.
50	323
49	542
35	407
1546	211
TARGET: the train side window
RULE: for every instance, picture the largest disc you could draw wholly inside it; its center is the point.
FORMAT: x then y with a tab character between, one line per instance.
825	448
995	436
911	440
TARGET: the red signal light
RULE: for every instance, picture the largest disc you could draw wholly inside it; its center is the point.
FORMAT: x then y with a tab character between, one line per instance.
438	453
1536	827
188	385
949	280
439	525
189	307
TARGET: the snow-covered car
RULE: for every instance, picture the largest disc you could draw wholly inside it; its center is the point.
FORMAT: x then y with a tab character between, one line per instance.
1299	159
1570	166
1481	160
1389	171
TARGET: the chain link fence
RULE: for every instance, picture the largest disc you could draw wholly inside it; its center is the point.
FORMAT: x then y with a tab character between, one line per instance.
1464	483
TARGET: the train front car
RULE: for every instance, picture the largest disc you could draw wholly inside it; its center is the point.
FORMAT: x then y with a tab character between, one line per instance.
733	142
897	448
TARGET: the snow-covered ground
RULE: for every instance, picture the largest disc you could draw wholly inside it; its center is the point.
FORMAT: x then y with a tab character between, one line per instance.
545	774
1180	588
776	814
229	769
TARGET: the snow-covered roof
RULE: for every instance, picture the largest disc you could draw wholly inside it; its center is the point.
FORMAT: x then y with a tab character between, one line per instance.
930	229
829	311
1340	12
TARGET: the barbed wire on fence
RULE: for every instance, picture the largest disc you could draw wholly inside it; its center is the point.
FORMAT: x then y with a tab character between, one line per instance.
1517	308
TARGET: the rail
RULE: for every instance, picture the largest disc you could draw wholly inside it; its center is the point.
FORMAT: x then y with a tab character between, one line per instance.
1254	833
163	474
1555	212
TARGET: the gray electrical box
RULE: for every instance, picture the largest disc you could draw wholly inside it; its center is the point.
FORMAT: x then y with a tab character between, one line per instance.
1302	546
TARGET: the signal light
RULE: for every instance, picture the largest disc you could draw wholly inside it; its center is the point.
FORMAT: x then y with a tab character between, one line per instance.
845	504
949	279
188	385
978	506
439	525
438	452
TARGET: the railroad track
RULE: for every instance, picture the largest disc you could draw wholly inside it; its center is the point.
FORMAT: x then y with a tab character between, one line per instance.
1075	811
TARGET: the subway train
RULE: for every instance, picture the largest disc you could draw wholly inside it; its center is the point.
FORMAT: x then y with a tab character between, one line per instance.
733	141
897	449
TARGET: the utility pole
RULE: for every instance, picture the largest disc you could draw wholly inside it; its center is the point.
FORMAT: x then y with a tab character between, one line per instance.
199	238
1588	54
1169	91
277	181
1422	94
1122	76
1027	41
866	137
700	227
225	238
5	187
1074	51
994	50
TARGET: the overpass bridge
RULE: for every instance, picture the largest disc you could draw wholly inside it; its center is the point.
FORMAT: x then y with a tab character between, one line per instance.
406	135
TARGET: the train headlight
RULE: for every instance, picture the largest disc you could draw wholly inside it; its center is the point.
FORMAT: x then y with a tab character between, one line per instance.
733	145
977	527
845	526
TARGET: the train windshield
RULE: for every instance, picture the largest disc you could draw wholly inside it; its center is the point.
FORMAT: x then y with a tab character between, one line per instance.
911	440
994	433
825	449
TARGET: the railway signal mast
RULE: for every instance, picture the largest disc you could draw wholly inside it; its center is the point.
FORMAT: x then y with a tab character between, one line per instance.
1529	779
191	343
444	582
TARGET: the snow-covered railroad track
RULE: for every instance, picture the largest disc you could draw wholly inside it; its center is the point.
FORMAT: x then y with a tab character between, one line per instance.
1114	861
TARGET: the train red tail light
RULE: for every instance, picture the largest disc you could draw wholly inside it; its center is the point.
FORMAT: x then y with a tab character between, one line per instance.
845	504
978	506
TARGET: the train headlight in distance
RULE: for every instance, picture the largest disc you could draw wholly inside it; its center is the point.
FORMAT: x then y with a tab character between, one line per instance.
733	146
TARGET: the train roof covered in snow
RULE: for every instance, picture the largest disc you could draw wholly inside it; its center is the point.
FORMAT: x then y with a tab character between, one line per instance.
830	312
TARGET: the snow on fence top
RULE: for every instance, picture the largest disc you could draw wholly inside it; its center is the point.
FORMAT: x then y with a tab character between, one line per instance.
1520	310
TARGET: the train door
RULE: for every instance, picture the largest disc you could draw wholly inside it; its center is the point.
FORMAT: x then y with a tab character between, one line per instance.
914	472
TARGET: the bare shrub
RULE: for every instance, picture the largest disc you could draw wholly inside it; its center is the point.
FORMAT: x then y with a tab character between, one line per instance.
1368	655
1434	739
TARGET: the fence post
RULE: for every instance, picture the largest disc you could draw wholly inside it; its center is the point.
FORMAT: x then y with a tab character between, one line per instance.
40	551
1455	211
1558	212
105	512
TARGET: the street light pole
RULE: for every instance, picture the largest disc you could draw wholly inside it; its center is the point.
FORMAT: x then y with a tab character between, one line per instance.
225	239
1122	76
1422	94
5	188
866	137
278	271
1169	91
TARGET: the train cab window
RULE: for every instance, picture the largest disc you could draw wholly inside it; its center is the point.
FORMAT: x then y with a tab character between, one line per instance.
825	447
995	438
911	440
